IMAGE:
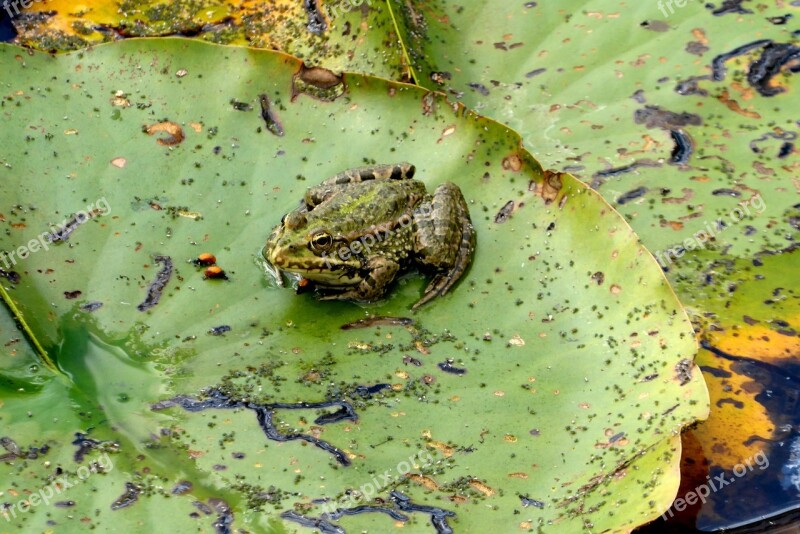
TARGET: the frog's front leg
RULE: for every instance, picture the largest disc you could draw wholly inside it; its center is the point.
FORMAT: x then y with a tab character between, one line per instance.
379	274
399	171
445	239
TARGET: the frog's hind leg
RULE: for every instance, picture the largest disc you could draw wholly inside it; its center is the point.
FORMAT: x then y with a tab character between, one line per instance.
318	194
445	239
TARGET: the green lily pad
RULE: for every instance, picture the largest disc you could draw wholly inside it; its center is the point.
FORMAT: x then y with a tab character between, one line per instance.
576	356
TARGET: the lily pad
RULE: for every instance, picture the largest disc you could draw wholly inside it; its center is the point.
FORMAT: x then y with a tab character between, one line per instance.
548	388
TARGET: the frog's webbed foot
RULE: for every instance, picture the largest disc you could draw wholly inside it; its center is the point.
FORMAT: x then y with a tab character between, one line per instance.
318	194
445	239
374	284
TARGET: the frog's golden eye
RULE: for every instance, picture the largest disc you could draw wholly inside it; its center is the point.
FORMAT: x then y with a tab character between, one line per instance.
321	241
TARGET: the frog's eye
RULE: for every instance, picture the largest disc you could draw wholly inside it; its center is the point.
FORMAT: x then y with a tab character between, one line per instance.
321	241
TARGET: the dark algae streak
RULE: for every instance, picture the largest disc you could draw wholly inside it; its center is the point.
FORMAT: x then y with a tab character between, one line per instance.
214	398
158	285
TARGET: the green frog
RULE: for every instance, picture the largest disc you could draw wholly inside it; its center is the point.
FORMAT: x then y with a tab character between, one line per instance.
355	232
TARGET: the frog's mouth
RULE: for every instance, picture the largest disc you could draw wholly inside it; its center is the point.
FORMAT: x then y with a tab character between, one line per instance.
320	270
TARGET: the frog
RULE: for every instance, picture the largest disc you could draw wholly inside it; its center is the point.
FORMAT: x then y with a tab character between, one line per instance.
357	231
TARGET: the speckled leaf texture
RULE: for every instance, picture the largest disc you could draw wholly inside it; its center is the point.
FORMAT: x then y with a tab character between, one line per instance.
545	392
684	117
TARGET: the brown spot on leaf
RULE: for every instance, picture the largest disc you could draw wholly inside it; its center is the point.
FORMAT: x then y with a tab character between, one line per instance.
734	106
551	185
317	82
479	486
512	163
425	482
174	133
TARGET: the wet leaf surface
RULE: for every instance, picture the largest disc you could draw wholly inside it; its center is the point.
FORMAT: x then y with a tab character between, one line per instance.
566	413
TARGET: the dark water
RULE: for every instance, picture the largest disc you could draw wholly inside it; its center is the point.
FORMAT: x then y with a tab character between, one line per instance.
7	31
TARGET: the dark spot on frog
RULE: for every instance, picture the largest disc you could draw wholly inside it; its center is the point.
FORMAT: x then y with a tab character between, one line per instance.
129	497
599	277
219	330
70	295
64	504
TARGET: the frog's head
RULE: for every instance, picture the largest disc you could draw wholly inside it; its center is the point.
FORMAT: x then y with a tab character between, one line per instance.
311	247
